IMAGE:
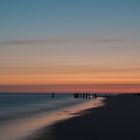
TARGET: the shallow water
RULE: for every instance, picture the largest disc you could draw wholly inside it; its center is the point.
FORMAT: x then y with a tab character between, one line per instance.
22	114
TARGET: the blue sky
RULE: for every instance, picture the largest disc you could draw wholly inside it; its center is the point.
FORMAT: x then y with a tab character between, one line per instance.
60	19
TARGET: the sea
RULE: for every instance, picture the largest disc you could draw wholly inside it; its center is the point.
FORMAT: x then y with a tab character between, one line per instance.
22	114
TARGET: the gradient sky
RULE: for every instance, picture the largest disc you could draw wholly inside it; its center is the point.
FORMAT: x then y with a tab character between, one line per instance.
69	45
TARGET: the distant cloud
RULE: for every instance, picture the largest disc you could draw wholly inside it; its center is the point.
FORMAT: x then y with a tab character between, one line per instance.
53	41
24	42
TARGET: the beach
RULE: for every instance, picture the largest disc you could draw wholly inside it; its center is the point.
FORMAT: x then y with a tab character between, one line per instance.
118	119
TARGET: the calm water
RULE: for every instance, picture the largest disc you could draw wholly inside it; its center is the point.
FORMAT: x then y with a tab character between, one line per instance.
16	106
19	113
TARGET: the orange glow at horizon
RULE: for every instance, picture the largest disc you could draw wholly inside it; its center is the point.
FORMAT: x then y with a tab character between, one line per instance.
71	62
72	78
86	82
92	88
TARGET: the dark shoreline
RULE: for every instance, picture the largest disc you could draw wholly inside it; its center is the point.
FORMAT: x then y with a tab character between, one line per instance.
119	119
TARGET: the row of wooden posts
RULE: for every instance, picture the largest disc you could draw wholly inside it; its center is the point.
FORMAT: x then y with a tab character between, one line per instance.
84	95
81	95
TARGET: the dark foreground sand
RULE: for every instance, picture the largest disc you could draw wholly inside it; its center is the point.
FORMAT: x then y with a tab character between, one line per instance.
119	119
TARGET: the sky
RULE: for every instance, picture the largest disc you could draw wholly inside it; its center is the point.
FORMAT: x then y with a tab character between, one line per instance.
69	46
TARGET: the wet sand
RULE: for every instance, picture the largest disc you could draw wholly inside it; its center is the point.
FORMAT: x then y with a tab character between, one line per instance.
62	115
118	119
